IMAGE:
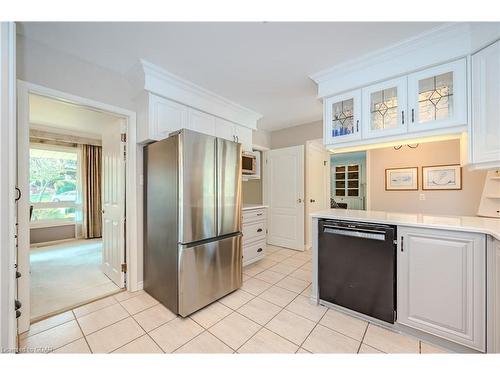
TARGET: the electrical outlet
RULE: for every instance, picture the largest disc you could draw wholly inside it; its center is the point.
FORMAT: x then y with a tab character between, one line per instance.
422	196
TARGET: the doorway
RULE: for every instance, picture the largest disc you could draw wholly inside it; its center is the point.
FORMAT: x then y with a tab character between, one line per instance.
348	180
72	171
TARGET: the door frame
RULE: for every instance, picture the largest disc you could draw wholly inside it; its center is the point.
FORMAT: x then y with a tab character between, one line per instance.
132	244
315	143
8	170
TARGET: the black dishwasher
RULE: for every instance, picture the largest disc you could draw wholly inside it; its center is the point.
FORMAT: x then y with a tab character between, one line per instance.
357	267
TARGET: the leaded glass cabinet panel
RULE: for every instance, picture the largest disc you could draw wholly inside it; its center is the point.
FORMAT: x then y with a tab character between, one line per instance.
342	117
437	97
384	108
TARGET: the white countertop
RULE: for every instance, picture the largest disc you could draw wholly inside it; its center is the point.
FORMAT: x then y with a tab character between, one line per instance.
475	224
246	207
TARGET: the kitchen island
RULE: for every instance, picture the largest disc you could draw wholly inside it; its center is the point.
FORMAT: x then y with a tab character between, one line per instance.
446	273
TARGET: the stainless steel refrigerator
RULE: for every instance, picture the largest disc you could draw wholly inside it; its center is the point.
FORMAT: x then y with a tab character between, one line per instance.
192	220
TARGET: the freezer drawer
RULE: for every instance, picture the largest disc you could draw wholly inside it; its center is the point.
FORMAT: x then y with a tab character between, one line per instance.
208	272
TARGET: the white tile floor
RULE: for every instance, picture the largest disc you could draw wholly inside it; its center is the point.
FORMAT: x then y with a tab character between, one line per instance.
271	313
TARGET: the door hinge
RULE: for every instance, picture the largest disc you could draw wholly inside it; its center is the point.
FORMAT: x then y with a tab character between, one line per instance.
325	162
124	267
123	137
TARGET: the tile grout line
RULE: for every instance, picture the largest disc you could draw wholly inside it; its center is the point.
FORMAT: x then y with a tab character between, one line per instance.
363	338
83	334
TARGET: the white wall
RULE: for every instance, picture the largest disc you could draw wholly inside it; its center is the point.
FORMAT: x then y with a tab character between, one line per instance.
261	138
297	135
43	65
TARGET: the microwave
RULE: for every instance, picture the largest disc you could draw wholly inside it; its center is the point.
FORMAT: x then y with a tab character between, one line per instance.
248	163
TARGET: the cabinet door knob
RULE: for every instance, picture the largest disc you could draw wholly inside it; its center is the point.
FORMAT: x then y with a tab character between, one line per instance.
299	200
259	249
312	200
259	230
412	115
403	117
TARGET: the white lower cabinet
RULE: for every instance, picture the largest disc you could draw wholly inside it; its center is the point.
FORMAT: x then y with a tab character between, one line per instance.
441	284
254	235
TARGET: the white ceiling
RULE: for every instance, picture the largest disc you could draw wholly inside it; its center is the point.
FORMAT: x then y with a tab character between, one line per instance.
56	115
262	66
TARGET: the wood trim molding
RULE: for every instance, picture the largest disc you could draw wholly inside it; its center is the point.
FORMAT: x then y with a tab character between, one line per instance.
439	45
152	78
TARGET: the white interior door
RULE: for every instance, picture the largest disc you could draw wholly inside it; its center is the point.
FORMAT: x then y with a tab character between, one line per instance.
285	197
317	182
113	203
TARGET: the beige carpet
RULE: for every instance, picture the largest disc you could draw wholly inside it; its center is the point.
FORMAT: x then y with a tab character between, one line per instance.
66	275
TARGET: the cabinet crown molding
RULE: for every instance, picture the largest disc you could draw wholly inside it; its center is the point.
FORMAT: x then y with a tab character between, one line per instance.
150	77
445	43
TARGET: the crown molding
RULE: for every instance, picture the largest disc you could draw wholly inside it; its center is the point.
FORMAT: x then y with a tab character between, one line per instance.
152	78
445	43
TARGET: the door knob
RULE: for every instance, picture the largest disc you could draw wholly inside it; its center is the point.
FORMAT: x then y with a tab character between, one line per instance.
312	200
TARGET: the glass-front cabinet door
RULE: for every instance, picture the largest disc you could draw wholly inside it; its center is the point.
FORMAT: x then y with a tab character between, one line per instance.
342	118
384	108
437	97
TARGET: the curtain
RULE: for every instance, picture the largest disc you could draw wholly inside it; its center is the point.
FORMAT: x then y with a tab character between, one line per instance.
91	191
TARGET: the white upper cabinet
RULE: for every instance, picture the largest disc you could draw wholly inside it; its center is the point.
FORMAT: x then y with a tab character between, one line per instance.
437	97
426	103
158	117
384	108
201	122
342	118
225	129
484	132
233	132
244	136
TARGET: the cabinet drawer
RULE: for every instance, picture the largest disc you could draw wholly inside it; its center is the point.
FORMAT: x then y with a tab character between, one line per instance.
252	231
253	250
254	215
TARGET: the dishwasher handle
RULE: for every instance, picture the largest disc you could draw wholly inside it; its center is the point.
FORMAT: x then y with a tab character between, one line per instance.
355	232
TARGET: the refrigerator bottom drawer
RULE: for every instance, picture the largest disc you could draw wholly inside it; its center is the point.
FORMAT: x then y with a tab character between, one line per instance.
208	272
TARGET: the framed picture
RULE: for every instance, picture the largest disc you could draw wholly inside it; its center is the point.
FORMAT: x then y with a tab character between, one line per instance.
401	178
442	177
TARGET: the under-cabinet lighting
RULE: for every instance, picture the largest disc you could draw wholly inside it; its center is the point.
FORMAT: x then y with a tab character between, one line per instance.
411	141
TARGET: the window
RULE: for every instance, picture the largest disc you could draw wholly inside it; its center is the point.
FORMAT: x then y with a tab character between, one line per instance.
54	184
